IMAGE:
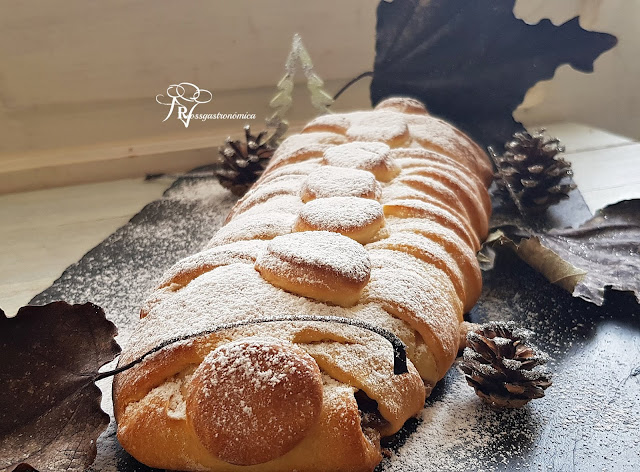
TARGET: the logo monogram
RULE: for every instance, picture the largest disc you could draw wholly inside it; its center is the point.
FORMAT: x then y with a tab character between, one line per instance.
185	97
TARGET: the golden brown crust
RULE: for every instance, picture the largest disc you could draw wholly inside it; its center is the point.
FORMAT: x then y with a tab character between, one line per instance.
305	264
413	160
329	181
429	210
143	432
330	123
451	243
403	105
421	295
373	157
370	216
253	400
328	214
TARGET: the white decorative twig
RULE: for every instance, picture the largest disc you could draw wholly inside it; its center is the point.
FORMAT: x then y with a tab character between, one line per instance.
283	100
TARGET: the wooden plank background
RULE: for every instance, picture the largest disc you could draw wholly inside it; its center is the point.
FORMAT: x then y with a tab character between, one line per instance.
78	79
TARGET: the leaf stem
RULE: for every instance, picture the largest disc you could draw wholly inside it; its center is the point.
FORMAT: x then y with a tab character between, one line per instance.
399	349
351	82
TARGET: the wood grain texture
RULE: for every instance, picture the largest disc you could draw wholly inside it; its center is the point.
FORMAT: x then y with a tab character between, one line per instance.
45	231
79	75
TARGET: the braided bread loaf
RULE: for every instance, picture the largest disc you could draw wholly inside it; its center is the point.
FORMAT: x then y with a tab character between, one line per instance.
369	216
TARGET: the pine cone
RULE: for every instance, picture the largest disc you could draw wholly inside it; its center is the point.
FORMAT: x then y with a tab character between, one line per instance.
503	368
244	162
532	172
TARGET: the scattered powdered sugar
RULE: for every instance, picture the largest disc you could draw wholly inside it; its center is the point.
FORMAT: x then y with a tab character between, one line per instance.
457	433
501	341
578	422
512	364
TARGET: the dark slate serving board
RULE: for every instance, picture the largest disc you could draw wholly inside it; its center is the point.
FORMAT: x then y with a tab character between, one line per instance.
589	419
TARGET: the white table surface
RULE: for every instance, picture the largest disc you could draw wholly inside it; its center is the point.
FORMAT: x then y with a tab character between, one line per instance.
45	231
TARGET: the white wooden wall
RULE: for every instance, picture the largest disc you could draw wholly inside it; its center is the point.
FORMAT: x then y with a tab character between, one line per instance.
78	79
609	98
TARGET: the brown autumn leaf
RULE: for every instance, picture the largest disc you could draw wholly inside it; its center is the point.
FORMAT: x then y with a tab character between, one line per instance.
24	468
603	252
50	415
472	62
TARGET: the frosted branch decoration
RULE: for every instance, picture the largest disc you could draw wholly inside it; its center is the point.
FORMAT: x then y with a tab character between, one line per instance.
282	101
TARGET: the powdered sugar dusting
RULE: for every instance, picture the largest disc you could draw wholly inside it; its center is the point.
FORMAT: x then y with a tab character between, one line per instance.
254	226
237	359
237	292
298	168
455	432
360	155
331	181
255	399
301	147
278	204
421	295
120	273
429	251
328	122
412	158
437	135
596	422
410	208
341	214
296	142
240	251
283	185
321	249
387	126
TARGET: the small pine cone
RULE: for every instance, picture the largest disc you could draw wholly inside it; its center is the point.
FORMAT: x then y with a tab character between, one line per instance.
505	370
244	162
531	170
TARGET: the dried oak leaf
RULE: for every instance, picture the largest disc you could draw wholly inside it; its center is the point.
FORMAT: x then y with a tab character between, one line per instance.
603	252
472	62
24	468
50	415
